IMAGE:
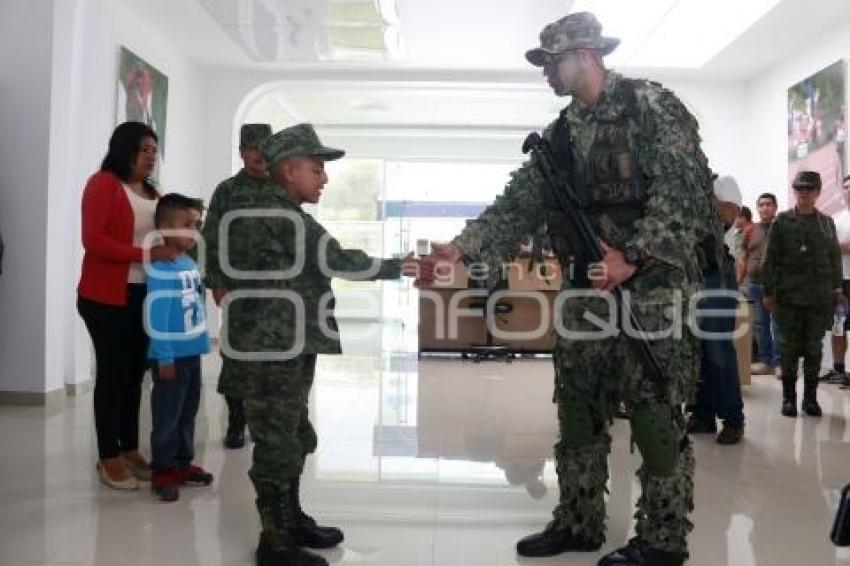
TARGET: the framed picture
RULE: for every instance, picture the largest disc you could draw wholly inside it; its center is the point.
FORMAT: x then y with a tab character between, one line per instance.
817	132
142	96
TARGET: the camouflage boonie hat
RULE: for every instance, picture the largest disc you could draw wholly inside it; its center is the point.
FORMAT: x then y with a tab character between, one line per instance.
574	31
253	135
300	140
807	180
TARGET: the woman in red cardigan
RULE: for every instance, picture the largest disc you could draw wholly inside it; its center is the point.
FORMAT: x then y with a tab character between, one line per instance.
118	209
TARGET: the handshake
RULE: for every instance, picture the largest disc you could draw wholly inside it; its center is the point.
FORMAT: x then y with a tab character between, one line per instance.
424	270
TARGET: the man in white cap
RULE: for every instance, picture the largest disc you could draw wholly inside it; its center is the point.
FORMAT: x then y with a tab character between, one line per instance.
719	388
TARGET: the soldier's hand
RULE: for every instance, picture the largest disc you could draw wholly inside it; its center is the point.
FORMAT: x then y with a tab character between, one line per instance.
441	259
410	266
218	294
769	303
167	372
612	271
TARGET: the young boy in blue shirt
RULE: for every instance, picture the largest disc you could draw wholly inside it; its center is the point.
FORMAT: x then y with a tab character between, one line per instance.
175	320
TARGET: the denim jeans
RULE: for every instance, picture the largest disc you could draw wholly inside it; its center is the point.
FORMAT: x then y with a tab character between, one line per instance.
767	332
174	404
719	388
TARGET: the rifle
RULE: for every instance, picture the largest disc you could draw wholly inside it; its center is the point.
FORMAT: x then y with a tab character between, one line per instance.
569	203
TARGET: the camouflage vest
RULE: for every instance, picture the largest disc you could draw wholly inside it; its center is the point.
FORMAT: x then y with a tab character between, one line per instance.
608	183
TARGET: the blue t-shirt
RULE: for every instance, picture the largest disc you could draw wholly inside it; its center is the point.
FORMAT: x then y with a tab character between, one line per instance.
175	316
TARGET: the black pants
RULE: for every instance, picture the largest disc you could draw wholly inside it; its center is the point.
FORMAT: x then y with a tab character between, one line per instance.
120	348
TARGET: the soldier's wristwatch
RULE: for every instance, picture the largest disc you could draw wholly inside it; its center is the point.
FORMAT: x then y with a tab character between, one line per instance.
635	256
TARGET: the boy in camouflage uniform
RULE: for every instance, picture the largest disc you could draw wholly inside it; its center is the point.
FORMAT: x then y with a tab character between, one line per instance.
277	316
638	166
802	282
253	175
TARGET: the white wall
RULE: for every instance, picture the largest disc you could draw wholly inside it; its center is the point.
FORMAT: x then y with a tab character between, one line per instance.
59	97
766	109
25	76
718	107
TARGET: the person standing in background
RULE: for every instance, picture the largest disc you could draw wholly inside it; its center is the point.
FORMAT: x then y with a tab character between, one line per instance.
802	285
117	217
252	176
718	393
839	336
752	256
743	225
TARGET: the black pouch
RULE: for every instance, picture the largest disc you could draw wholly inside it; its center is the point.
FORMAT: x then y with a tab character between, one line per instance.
840	534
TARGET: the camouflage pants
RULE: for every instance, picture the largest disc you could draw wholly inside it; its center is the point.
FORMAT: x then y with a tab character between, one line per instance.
228	379
592	377
276	412
801	330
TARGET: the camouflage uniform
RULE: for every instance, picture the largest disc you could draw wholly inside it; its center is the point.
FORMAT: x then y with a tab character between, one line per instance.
646	185
802	269
275	391
250	136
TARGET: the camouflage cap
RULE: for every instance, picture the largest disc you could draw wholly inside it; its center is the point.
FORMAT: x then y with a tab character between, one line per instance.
580	30
807	180
300	140
253	135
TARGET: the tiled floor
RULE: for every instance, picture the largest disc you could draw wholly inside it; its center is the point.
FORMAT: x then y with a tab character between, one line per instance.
422	463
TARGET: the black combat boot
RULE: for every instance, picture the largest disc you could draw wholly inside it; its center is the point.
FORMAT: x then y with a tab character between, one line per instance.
810	401
552	541
306	531
789	395
277	545
235	436
637	553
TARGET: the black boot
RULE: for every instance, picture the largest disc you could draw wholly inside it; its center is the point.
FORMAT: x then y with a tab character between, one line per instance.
235	436
789	394
789	407
552	541
277	546
810	401
306	531
637	553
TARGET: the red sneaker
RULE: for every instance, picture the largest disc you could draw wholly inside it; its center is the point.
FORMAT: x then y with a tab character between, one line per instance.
194	475
165	485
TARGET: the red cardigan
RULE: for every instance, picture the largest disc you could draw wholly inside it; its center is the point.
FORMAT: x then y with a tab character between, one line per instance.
107	239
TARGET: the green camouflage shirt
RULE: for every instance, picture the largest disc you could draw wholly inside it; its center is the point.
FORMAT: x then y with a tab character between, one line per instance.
802	263
277	264
677	215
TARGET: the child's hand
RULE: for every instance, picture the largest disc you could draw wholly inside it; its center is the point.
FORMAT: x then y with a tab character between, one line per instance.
769	303
167	372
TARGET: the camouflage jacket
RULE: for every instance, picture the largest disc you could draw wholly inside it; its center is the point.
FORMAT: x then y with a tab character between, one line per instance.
802	262
677	215
220	204
277	263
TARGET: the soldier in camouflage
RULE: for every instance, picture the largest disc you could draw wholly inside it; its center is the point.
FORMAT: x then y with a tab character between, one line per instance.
802	281
277	264
252	175
634	152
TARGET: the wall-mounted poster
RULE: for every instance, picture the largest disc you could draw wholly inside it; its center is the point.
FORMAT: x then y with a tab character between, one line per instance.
142	95
817	132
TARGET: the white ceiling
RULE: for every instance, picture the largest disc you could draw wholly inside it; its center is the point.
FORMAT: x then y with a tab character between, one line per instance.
461	62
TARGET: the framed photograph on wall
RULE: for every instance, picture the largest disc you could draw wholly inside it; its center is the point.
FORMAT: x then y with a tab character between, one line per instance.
817	132
142	96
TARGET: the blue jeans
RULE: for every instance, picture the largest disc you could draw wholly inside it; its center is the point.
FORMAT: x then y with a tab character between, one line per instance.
174	404
719	388
767	333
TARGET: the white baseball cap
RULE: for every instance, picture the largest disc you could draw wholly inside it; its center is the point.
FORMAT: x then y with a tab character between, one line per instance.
726	190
